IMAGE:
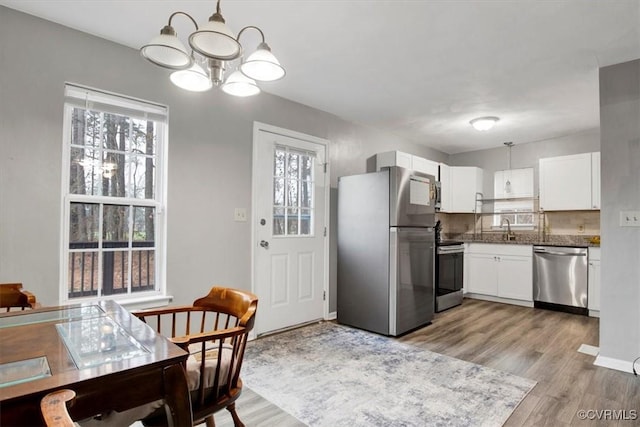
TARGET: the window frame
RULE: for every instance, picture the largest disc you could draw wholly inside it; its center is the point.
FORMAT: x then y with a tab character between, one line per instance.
133	108
520	204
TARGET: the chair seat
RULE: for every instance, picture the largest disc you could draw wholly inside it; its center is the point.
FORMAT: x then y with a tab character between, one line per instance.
210	368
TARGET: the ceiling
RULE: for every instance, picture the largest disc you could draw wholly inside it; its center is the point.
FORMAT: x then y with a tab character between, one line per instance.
419	69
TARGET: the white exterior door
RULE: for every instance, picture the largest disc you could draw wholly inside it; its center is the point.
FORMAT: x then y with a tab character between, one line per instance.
290	244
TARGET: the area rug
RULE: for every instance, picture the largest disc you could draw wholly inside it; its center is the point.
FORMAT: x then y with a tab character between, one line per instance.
329	375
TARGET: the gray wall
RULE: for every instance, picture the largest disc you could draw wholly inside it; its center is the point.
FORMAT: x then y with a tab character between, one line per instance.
209	156
526	155
620	262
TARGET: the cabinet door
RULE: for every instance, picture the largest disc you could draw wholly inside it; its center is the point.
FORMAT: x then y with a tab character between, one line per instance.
482	274
594	285
565	183
595	180
465	183
445	188
515	279
425	166
394	158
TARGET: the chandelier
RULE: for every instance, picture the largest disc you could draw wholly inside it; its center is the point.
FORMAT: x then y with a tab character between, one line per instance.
213	46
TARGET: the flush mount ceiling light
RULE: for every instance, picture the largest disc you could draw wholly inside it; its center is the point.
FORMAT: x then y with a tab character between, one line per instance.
213	45
484	123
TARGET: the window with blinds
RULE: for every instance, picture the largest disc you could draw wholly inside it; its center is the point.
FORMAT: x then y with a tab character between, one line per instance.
113	195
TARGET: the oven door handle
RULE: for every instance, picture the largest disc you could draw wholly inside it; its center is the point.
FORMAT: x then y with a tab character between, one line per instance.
442	251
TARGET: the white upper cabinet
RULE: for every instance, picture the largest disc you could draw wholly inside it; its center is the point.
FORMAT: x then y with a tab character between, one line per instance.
425	166
466	181
408	161
566	183
445	188
394	158
513	183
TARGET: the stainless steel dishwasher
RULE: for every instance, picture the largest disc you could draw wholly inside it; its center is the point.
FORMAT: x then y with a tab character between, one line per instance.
560	278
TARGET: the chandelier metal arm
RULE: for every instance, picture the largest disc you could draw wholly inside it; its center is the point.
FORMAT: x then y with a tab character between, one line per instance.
250	27
185	14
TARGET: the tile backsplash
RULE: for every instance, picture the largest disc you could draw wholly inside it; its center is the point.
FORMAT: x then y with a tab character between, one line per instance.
565	223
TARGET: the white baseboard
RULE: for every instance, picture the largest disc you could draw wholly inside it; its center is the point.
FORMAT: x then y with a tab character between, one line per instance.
594	313
332	316
611	363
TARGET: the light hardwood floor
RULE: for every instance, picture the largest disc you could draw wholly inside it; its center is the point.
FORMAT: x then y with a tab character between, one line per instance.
533	343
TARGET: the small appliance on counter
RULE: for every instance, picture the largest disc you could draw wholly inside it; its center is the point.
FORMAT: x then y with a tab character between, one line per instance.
449	271
386	250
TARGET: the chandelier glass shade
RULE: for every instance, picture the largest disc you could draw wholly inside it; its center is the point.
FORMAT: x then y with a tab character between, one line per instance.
166	50
213	44
240	85
194	79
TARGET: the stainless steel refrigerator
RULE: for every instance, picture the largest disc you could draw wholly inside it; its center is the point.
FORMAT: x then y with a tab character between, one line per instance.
386	250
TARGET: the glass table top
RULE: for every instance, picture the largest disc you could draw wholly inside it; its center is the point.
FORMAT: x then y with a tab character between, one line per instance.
62	314
23	370
98	340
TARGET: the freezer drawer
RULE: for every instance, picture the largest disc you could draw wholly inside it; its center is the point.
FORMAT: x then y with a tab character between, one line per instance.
560	276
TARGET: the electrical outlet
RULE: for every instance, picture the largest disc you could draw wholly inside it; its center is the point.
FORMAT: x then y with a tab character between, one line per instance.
240	215
581	229
629	218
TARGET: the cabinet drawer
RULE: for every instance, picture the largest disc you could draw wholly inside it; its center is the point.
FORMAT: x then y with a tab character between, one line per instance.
499	249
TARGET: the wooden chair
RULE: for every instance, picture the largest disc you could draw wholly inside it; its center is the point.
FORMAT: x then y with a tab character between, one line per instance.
214	330
12	296
54	408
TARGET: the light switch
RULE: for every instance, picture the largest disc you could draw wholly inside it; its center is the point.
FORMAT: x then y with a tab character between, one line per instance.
240	215
629	218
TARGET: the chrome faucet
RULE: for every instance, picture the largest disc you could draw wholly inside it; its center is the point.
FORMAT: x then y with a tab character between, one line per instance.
508	235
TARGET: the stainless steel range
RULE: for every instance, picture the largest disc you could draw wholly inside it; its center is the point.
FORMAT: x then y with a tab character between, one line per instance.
449	274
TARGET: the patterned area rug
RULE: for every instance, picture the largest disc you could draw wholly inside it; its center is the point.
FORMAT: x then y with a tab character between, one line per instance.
331	375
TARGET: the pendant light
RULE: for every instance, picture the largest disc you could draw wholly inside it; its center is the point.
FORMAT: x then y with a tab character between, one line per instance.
507	184
213	44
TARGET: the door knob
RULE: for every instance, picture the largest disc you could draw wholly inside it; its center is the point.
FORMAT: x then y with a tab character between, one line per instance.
264	244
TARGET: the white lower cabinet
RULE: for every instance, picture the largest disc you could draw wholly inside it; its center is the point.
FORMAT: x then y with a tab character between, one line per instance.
594	291
503	271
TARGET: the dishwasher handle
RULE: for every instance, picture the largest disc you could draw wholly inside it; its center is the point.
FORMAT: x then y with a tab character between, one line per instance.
544	251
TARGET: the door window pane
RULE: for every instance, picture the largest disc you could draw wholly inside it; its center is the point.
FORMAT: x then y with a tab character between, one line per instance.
278	192
294	193
292	222
305	222
306	194
278	222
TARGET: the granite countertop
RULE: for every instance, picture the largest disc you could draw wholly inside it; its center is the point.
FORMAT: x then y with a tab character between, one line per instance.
582	241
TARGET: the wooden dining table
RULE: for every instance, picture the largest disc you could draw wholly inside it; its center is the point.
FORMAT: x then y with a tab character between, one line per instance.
112	360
